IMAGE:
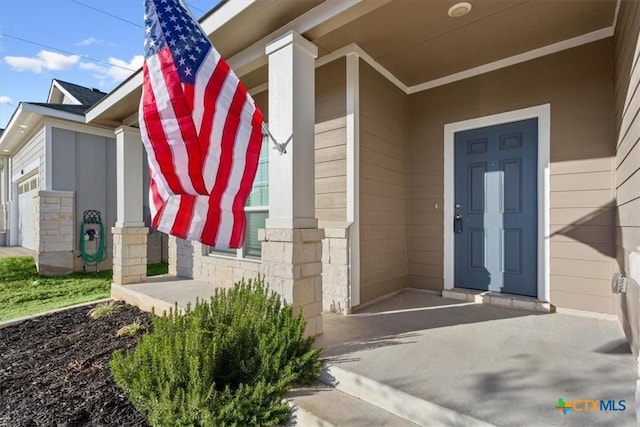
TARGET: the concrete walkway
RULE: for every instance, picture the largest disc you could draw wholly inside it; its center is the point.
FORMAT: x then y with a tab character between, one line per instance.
14	251
435	361
502	366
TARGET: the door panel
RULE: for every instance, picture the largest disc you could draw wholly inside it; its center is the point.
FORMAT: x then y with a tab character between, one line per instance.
496	195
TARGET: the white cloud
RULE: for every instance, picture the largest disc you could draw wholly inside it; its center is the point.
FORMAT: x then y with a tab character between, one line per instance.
6	100
88	42
44	60
118	70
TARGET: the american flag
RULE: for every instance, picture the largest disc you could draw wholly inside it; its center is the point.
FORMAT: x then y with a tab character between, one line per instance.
201	129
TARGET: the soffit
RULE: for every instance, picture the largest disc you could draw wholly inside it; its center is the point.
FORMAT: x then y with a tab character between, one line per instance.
417	41
255	22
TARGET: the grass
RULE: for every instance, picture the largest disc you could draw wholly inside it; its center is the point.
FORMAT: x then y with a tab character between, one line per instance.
23	292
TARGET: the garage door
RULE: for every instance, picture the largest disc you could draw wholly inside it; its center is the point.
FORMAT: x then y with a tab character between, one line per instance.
26	220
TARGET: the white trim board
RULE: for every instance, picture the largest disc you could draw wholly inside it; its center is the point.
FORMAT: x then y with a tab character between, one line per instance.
353	175
353	48
472	72
543	114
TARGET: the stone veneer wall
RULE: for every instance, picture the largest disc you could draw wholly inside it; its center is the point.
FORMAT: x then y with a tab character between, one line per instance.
335	270
54	233
192	260
156	247
129	254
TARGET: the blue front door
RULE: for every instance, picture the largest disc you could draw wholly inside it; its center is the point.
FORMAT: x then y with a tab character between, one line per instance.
496	208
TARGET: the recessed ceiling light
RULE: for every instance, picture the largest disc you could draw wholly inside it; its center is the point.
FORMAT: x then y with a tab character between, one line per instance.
459	9
5	151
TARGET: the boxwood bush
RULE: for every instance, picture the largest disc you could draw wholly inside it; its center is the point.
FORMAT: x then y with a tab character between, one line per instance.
226	362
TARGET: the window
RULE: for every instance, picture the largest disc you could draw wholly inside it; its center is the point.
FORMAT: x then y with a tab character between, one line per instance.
256	210
28	185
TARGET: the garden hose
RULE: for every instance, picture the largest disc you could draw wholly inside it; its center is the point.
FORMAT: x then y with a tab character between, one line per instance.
92	259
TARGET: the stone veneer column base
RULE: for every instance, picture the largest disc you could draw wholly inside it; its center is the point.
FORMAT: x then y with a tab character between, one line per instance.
292	266
54	241
129	254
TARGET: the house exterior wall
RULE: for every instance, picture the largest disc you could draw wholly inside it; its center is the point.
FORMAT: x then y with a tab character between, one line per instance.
86	165
384	185
194	260
627	165
578	85
32	151
331	139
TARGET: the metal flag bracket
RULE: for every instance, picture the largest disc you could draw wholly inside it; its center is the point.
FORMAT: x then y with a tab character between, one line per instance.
282	148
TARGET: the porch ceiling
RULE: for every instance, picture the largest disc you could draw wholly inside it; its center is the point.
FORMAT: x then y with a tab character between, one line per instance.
418	42
414	39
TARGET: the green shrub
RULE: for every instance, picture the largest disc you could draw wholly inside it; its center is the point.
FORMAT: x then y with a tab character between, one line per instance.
227	362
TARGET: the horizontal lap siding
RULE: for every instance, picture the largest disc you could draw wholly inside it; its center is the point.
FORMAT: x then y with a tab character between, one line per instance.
32	151
330	143
384	193
627	161
578	85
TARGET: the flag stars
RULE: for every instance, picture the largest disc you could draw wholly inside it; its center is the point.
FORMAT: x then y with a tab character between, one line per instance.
173	18
192	57
187	71
179	28
182	62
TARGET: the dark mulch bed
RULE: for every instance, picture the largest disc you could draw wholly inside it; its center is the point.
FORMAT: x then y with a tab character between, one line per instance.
54	370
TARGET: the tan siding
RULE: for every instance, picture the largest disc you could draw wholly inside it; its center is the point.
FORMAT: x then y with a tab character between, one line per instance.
577	84
384	193
627	174
331	139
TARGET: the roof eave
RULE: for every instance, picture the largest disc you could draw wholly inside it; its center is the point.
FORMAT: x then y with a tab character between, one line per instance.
216	18
21	114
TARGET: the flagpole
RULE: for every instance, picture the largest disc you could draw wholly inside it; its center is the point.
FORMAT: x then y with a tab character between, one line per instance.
281	149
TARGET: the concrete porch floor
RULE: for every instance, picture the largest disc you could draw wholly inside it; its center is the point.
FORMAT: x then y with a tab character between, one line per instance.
497	365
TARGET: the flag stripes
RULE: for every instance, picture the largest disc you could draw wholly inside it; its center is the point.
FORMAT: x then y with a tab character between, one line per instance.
201	130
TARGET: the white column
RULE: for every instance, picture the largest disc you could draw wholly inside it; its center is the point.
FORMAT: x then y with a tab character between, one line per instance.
292	120
353	175
129	163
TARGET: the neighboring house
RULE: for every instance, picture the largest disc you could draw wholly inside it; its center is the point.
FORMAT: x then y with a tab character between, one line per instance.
53	168
498	150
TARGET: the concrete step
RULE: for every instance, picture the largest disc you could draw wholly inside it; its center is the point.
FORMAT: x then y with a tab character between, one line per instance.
397	402
325	406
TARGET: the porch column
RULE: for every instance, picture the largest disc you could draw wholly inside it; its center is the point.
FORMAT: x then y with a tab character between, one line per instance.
130	233
292	247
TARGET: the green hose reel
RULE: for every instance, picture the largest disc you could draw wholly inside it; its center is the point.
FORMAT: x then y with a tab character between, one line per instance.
91	218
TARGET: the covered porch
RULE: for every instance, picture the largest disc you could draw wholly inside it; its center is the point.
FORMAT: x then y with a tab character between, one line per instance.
416	358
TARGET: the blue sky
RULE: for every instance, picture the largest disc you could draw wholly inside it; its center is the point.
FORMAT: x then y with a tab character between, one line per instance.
76	43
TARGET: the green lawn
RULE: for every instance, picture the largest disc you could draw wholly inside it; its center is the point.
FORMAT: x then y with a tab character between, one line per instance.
23	292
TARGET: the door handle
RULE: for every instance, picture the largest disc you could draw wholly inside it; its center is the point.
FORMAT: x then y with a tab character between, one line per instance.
457	224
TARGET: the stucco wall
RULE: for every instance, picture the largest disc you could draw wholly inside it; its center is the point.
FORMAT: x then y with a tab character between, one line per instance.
627	164
384	185
578	85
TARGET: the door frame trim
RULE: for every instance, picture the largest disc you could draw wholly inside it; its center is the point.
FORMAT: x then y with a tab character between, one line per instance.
543	114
